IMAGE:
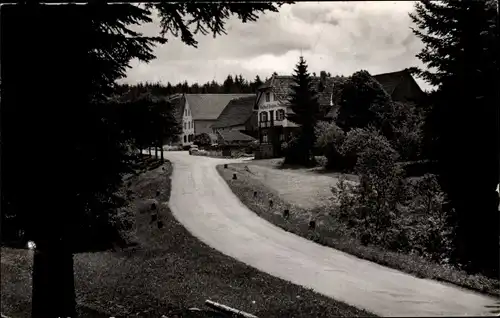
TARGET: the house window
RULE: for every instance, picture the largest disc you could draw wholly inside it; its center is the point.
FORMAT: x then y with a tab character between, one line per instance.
280	114
185	112
185	125
263	116
282	137
185	138
268	97
189	125
264	137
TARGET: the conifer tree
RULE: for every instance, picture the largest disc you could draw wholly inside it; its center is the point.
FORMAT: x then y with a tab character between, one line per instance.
462	52
304	103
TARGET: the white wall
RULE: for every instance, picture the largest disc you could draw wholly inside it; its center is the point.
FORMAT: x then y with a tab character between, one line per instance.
187	125
272	105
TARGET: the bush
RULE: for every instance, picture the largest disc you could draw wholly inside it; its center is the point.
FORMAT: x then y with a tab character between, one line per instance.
329	138
291	151
202	140
356	141
387	210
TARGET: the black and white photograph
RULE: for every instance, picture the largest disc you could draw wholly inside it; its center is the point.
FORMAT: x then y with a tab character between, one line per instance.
250	159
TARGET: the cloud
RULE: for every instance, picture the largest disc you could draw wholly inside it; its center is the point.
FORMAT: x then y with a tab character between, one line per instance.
339	37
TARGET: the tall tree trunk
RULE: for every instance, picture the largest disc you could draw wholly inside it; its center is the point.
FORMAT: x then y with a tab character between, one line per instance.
53	291
156	151
149	150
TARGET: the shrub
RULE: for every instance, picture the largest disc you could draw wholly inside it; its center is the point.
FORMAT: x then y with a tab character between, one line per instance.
294	151
406	121
387	210
357	140
202	140
329	138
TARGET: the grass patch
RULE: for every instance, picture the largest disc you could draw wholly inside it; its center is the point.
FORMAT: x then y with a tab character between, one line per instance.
338	236
166	272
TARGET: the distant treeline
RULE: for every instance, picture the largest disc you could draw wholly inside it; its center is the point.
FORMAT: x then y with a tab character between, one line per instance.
232	84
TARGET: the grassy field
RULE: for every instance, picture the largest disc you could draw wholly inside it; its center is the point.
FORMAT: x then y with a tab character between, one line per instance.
327	231
166	272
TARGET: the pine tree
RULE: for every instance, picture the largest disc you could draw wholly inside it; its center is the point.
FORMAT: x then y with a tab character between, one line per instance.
97	54
256	83
304	103
228	85
462	50
170	89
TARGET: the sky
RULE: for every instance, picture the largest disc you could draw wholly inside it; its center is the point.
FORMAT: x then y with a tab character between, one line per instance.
338	37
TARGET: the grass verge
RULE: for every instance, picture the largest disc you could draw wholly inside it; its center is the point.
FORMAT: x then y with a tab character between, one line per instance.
167	271
335	235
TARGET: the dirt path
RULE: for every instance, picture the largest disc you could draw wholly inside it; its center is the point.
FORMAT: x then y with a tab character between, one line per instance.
204	204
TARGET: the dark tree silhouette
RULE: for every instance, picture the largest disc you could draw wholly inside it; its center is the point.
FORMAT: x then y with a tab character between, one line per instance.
257	82
462	50
228	85
306	111
87	48
361	97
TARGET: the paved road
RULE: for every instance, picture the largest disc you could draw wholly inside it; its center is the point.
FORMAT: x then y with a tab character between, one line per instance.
204	204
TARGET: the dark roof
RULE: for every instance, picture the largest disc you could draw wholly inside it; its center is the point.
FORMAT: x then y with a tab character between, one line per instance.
233	135
210	106
177	101
390	81
280	86
237	112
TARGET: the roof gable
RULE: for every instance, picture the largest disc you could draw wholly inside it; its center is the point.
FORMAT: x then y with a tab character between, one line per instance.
390	81
237	112
210	106
233	136
280	85
178	103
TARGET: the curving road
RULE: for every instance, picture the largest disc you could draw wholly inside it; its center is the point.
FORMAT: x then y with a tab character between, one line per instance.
204	204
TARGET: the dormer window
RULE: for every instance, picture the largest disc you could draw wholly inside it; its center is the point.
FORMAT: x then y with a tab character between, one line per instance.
268	97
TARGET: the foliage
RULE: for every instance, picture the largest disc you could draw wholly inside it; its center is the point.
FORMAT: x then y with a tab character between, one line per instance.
90	145
361	99
462	55
329	138
242	86
202	140
304	103
406	126
385	209
355	141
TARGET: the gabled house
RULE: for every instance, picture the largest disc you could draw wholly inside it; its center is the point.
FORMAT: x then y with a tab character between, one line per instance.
238	115
198	112
233	141
272	106
233	138
401	86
